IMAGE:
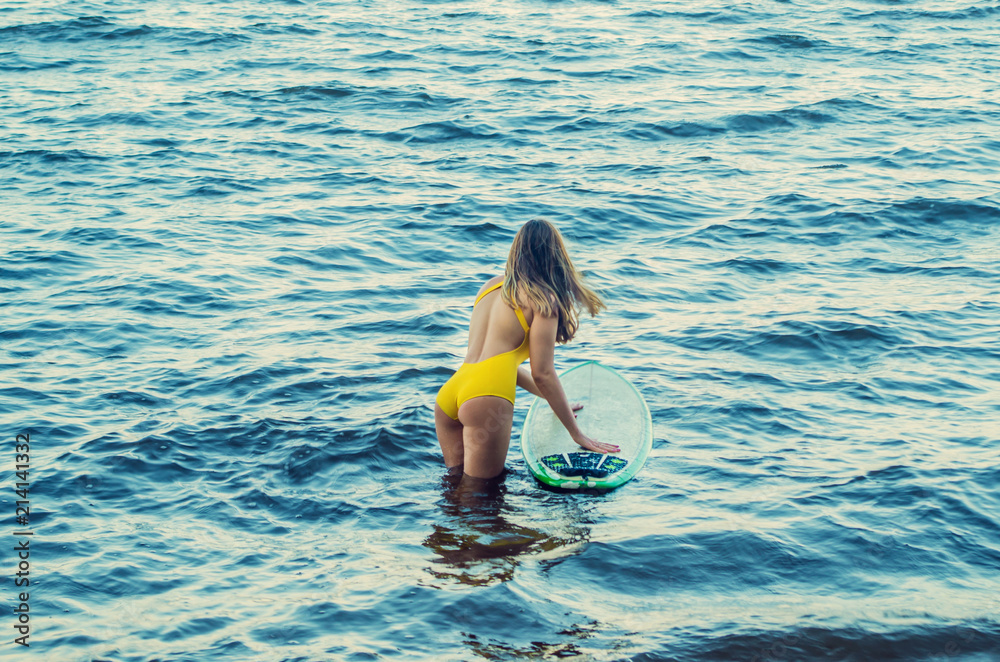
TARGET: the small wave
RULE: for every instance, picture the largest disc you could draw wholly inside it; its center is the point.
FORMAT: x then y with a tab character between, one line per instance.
278	29
961	643
722	234
947	212
799	342
118	118
136	398
49	156
390	55
74	29
321	128
826	340
757	266
787	118
917	13
36	259
932	269
13	62
335	258
661	131
217	187
756	419
524	80
788	41
732	14
375	96
462	51
943	221
698	560
428	325
441	132
247	385
754	123
87	28
315	91
733	55
128	33
582	124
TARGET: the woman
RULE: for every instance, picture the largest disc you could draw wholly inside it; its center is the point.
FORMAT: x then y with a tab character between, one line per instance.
531	312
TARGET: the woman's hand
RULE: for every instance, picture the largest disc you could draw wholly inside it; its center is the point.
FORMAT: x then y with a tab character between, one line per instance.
594	445
587	442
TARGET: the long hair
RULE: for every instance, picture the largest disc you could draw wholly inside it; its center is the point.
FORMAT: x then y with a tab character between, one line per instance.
538	266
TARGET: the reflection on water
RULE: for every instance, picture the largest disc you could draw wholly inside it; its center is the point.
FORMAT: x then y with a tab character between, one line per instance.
536	650
476	541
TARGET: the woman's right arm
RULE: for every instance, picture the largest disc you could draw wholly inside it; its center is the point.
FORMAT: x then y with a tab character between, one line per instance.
541	353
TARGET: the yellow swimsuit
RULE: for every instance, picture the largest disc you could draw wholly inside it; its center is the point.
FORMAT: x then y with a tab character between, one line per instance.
496	375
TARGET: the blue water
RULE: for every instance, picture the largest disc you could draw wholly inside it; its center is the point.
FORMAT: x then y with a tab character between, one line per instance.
240	244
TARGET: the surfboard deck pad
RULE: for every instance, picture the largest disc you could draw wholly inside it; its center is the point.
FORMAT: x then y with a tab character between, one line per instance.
595	465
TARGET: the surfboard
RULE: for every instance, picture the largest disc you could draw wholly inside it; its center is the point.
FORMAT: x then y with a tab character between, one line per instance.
613	411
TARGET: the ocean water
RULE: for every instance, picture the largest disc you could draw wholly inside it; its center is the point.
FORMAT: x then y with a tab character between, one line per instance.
241	239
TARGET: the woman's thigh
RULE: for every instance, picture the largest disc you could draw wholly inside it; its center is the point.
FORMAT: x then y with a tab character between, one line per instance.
487	421
449	433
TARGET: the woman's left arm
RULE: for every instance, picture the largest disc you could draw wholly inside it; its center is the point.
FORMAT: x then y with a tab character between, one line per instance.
525	381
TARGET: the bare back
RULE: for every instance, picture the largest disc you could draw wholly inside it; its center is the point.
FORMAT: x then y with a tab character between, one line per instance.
494	327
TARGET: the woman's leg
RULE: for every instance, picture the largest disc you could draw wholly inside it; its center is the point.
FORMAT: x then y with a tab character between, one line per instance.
449	433
486	421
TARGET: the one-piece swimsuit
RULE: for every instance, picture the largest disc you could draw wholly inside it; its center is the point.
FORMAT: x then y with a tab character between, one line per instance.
496	375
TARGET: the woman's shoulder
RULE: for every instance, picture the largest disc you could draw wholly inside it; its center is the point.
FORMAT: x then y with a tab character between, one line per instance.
534	307
488	284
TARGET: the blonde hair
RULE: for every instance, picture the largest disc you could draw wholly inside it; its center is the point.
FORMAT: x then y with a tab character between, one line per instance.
539	267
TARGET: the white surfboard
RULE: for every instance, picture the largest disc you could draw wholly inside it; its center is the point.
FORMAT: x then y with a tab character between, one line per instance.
613	411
